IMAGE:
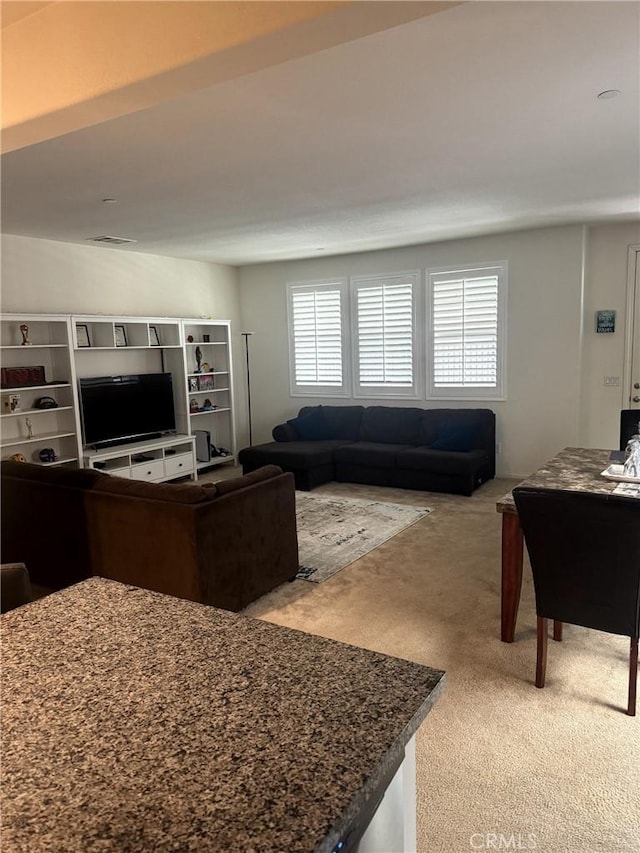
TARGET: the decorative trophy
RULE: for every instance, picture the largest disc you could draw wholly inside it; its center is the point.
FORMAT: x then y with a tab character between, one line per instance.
24	331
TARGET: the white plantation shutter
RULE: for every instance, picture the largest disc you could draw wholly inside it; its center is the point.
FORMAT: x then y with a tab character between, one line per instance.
466	332
316	338
384	348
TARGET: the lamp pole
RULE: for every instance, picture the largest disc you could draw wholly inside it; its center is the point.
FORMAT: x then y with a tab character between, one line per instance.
246	335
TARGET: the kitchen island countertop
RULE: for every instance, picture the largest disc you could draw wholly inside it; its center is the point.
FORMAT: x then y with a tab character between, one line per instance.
134	721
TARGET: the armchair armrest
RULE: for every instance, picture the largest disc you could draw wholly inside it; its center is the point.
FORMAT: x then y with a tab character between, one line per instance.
15	587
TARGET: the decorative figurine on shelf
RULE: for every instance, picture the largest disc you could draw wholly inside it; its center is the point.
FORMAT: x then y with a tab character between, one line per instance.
198	360
206	367
11	404
189	339
17	457
24	331
29	426
47	455
193	407
207	406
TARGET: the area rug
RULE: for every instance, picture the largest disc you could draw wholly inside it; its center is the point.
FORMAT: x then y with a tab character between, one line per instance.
333	532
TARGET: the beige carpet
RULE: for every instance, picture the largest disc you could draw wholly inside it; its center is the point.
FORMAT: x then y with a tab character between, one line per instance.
501	765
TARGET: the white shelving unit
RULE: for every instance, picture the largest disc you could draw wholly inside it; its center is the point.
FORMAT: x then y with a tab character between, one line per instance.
209	388
93	333
77	346
115	346
47	352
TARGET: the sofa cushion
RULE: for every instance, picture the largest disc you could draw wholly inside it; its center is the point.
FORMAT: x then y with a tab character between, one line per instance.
311	426
265	473
440	461
452	435
376	454
391	425
79	478
182	493
437	423
290	455
341	422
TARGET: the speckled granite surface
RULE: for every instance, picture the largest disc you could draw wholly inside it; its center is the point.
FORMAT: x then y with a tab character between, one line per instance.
134	721
575	468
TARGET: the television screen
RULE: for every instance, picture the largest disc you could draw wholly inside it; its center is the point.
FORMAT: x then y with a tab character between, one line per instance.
120	409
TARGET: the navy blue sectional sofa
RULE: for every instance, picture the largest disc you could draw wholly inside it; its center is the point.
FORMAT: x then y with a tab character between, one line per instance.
436	450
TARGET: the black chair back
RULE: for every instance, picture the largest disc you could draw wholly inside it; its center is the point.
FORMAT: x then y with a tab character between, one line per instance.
629	425
584	550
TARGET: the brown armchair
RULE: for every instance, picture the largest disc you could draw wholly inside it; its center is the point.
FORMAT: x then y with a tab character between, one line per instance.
584	550
225	545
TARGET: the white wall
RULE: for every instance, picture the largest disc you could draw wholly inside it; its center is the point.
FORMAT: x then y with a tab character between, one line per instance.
555	362
44	276
541	414
47	276
606	287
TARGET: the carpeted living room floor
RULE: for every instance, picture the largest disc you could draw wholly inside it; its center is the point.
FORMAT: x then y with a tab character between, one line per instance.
501	765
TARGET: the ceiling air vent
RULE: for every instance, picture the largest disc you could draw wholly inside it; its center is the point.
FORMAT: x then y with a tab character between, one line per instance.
112	241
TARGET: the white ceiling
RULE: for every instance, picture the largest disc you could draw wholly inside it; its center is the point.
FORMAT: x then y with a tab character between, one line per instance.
480	119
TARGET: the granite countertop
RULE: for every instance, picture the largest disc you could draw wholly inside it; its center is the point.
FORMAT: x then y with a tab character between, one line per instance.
134	721
574	468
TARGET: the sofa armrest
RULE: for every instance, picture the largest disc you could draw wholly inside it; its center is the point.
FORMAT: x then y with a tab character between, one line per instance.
247	542
284	432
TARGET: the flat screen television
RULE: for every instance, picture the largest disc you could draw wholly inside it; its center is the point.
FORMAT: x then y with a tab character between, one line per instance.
123	409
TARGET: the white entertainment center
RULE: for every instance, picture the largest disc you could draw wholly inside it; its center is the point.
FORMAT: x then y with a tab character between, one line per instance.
47	355
154	460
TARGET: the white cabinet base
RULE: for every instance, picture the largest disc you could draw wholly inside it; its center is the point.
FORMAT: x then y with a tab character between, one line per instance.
393	826
156	460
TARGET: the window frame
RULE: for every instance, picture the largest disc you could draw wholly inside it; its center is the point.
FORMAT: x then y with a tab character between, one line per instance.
299	390
386	391
498	392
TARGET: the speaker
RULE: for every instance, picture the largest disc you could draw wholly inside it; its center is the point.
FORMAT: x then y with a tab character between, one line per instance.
203	445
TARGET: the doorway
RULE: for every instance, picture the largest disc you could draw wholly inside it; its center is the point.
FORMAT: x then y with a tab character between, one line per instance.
631	384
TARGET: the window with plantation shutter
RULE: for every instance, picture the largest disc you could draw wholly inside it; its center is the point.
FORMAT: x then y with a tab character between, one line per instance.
316	338
384	335
466	332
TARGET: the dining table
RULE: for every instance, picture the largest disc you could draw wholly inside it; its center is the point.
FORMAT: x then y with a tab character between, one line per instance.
577	469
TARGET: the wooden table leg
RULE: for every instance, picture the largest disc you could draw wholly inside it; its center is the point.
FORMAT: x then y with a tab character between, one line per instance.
512	545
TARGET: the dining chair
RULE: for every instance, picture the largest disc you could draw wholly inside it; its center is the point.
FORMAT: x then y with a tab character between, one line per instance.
629	425
584	550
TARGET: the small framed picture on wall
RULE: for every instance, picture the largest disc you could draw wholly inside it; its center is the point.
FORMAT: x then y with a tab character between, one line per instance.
82	335
120	335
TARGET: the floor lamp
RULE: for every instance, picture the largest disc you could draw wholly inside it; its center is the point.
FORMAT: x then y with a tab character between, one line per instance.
246	335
